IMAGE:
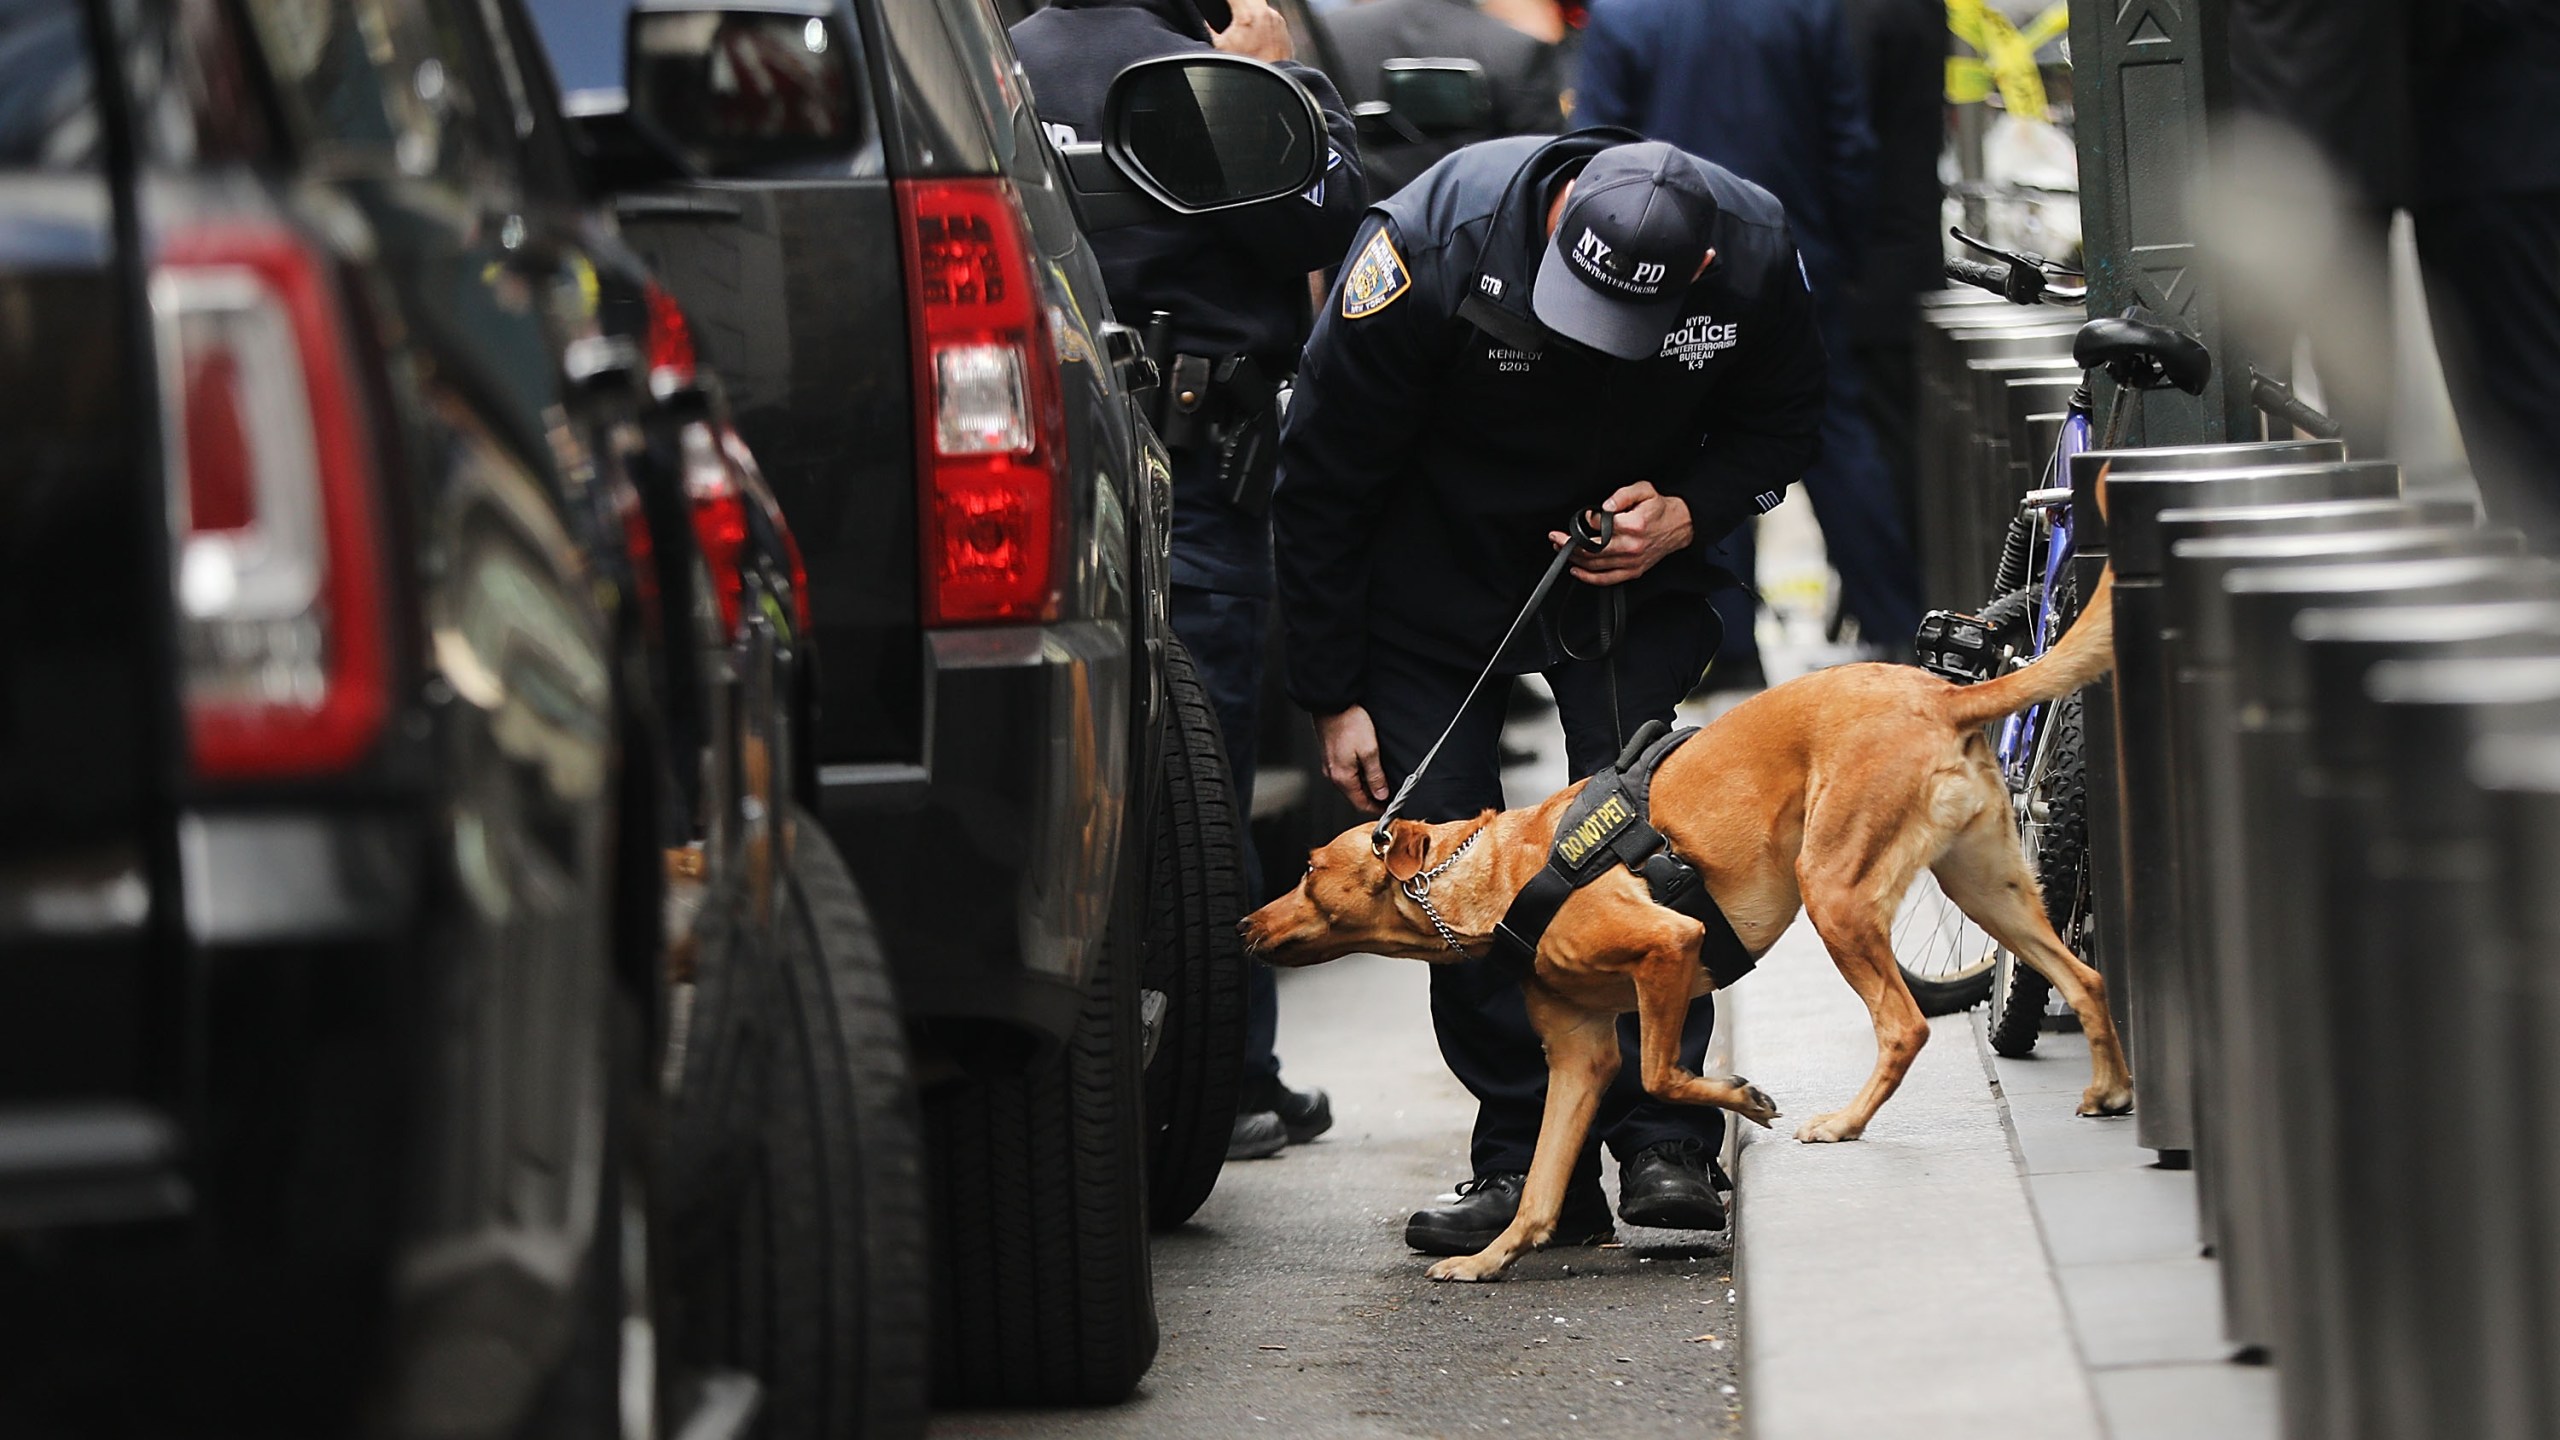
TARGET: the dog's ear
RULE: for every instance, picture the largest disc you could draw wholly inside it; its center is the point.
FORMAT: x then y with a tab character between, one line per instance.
1408	846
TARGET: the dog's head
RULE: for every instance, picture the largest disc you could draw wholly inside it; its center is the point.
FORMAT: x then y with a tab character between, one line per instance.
1350	902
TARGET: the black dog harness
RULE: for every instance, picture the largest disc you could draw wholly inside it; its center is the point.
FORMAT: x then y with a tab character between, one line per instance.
1606	826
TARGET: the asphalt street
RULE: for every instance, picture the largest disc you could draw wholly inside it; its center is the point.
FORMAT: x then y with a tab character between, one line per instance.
1291	1307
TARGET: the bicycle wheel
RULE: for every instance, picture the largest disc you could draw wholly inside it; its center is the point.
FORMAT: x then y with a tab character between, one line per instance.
1948	961
2055	823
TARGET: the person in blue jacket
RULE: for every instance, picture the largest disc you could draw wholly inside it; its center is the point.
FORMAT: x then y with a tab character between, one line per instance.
1235	286
1530	329
1770	90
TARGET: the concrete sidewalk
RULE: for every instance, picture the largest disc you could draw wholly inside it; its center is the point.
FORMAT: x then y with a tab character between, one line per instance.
1968	1269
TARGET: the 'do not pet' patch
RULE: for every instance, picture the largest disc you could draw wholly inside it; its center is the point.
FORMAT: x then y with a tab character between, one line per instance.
1376	277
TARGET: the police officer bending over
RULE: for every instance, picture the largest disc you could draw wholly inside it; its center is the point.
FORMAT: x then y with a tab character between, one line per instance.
1532	328
1234	288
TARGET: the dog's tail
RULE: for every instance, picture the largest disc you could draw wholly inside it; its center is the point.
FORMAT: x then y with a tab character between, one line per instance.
2085	652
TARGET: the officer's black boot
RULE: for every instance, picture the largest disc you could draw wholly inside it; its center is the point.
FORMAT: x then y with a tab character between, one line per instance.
1671	1186
1484	1210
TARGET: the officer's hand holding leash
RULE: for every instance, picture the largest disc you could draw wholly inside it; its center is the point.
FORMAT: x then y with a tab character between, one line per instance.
1257	32
1349	739
1650	527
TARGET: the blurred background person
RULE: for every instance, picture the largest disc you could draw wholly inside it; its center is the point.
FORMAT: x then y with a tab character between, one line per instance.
1770	90
1525	74
1901	46
2485	194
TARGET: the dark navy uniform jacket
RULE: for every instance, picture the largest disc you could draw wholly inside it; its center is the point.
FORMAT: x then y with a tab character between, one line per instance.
1439	432
1235	282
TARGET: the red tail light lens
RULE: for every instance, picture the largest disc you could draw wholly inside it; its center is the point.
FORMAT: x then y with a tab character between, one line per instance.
671	358
271	507
719	519
990	425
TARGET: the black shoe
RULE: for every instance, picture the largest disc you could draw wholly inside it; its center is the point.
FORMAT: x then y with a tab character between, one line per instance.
1259	1135
1307	1113
1671	1186
1484	1210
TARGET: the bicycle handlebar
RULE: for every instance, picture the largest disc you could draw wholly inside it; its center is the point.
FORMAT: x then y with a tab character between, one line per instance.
2019	278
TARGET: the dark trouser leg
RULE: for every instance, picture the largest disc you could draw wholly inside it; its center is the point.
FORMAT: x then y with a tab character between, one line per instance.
1738	606
2493	289
1224	634
1862	525
1666	646
1476	1010
1889	391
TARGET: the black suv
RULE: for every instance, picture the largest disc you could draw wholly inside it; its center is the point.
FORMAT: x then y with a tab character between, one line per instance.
426	1013
882	248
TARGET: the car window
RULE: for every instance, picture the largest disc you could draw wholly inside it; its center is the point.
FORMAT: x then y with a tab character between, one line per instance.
46	120
584	39
994	74
378	81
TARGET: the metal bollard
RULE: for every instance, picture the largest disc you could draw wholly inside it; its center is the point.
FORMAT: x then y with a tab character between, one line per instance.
2107	940
2199	694
2429	1061
2522	778
2273	942
2156	1009
2459	1258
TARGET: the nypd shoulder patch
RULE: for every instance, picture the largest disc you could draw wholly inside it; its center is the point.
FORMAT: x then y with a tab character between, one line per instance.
1376	277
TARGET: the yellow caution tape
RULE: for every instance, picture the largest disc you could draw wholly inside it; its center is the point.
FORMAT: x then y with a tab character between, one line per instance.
2004	56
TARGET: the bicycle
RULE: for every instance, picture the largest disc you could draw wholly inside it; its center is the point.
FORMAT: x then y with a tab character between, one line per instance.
2033	600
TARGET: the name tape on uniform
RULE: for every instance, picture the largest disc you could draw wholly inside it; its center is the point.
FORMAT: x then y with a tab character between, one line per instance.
1377	276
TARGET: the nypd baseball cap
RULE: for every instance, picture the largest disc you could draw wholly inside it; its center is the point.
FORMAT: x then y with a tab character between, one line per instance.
1630	240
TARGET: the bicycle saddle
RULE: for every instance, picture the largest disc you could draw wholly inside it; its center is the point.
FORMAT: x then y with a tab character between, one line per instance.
2142	353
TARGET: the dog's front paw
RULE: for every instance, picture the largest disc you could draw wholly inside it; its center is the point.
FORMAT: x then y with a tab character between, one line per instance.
2107	1100
1756	1105
1469	1269
1828	1129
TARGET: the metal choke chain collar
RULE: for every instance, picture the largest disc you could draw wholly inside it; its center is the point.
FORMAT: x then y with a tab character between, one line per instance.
1418	890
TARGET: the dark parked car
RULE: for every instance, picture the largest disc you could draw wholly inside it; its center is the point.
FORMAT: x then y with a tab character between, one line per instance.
428	1012
882	250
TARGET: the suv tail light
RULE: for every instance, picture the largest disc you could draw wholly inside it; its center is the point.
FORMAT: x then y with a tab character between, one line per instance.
990	425
271	506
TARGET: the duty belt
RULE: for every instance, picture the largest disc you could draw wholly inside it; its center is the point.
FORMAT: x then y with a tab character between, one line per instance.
1606	826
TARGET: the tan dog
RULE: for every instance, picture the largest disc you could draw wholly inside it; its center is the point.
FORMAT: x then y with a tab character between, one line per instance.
1828	794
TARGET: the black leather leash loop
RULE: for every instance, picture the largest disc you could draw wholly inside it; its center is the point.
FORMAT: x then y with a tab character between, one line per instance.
1591	530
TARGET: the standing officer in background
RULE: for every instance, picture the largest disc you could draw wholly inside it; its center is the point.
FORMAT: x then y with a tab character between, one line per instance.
1531	329
1769	90
1902	50
1523	73
1235	287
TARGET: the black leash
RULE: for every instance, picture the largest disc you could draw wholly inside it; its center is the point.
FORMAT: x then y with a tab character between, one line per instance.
1592	530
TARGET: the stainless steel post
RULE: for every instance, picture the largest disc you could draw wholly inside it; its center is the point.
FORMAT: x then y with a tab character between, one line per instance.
2522	777
2156	1002
2429	1061
2273	942
2199	696
2107	942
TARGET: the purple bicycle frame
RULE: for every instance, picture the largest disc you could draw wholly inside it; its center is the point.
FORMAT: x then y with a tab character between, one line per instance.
2017	745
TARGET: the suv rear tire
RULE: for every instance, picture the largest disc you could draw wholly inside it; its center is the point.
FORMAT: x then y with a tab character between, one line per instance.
1195	896
847	1169
1042	1289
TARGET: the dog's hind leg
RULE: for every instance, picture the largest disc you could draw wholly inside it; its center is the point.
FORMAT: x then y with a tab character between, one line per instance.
1582	1058
1987	877
1853	871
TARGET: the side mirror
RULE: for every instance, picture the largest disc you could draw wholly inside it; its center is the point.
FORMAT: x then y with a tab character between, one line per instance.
736	87
1438	98
1195	134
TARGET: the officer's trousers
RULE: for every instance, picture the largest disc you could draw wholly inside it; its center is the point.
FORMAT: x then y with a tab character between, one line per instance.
1482	1023
1862	513
2492	266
